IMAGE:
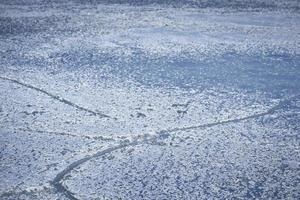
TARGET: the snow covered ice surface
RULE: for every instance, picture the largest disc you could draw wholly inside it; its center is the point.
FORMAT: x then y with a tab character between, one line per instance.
149	99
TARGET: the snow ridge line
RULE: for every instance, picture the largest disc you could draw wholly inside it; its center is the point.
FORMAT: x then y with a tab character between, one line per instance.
55	97
163	134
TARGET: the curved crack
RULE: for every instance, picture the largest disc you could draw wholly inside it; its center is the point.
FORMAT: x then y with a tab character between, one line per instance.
55	97
57	181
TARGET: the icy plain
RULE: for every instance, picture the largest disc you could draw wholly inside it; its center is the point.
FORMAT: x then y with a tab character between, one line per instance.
173	100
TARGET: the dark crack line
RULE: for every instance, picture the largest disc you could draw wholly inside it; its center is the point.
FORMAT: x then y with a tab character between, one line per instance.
282	104
58	180
55	97
215	123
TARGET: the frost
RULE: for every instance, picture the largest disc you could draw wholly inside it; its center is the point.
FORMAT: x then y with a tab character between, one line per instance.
191	100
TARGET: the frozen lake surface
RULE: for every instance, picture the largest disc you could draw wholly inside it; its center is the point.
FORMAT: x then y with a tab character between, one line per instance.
149	99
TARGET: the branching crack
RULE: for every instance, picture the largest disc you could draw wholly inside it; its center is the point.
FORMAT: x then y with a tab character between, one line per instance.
162	134
58	180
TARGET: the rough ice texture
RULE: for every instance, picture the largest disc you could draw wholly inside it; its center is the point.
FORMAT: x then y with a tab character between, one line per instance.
149	100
